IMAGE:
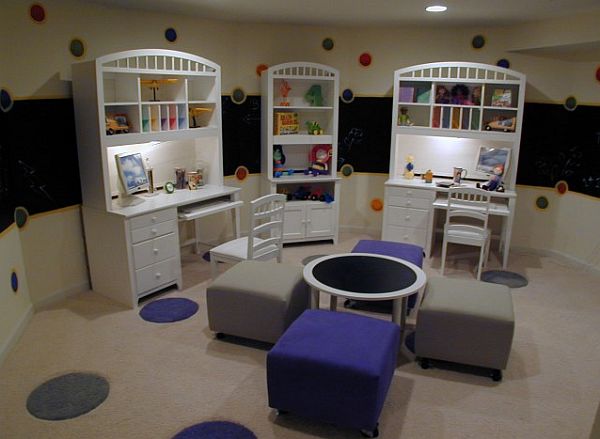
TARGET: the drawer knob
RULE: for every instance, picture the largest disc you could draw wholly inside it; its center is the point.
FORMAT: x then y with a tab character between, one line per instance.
153	219
408	202
154	231
406	237
155	251
157	275
407	218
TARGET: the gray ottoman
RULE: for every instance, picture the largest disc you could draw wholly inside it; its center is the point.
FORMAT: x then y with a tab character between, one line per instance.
256	300
467	322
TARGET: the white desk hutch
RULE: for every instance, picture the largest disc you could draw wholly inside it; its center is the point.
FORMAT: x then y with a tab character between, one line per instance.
172	104
443	132
305	220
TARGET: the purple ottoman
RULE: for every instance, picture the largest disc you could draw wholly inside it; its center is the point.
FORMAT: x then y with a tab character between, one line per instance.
334	367
408	252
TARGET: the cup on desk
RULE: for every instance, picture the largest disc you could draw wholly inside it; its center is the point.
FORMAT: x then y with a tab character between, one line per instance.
457	175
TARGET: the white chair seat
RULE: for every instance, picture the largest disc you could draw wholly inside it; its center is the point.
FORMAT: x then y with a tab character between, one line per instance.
265	235
238	249
472	205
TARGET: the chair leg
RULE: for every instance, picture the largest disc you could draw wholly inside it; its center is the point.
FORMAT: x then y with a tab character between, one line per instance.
214	266
444	245
482	254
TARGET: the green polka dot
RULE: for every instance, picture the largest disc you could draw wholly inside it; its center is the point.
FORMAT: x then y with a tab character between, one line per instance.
238	96
347	170
327	44
21	216
542	202
77	48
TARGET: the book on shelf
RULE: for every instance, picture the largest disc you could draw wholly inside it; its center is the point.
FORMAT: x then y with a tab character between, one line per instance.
407	94
502	97
286	123
423	95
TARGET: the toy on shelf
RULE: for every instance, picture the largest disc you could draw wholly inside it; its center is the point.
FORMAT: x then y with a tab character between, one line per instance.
278	161
460	95
199	116
286	123
314	96
314	127
501	123
320	158
284	89
428	176
408	168
116	123
404	119
154	85
495	181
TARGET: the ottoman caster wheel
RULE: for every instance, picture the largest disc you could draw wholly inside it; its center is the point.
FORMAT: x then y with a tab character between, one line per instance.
496	375
349	303
425	364
370	433
220	335
282	412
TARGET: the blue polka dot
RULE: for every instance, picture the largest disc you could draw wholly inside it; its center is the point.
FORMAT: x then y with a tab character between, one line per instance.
171	34
478	41
14	281
503	63
347	96
6	101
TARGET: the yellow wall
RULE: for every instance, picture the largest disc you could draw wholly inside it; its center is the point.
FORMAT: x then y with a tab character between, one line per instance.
36	63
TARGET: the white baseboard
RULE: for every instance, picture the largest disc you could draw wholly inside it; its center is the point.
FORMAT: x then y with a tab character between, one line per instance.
568	259
16	333
61	295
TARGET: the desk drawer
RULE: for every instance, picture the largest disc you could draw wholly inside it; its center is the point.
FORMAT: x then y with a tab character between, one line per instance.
153	231
416	203
155	250
406	234
408	192
401	216
153	218
155	275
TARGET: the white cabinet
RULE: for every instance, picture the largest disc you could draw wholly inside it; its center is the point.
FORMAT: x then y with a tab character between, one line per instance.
308	221
167	106
299	146
443	113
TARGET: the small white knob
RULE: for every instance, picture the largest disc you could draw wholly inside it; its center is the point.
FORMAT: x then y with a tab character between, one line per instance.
407	218
157	275
154	231
153	219
155	251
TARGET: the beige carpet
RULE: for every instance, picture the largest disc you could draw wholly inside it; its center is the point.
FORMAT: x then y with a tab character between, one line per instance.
165	377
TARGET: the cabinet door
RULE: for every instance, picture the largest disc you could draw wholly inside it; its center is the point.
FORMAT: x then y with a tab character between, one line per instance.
294	223
319	220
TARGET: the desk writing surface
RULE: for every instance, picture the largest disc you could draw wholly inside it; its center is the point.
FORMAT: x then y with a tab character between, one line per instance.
419	183
145	204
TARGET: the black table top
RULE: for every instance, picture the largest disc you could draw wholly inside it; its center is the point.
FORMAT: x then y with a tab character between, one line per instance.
364	274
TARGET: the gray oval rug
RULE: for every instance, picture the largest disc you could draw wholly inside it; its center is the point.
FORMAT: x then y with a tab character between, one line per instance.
508	278
67	396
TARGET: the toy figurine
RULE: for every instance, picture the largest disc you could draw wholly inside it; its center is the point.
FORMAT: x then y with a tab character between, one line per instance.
314	127
284	89
408	168
278	161
403	119
314	96
428	176
442	96
495	181
460	95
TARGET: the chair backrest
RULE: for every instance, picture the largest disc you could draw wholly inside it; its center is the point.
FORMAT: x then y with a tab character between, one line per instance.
266	223
468	203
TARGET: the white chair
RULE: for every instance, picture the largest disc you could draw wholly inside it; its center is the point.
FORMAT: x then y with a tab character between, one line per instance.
466	222
265	235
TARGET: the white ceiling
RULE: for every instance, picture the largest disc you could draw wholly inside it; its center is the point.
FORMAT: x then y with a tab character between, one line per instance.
367	12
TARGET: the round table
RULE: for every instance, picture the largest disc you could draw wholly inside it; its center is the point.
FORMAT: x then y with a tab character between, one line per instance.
365	276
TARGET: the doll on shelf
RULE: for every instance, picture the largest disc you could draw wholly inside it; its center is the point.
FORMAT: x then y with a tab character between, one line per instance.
408	168
404	119
278	161
284	90
442	95
460	95
495	181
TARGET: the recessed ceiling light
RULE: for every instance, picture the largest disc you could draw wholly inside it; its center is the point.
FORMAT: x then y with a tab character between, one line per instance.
436	8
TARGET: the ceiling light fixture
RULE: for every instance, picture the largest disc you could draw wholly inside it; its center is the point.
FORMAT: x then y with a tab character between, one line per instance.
436	8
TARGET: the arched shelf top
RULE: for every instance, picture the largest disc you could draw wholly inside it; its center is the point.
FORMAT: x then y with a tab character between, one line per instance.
157	61
460	71
304	70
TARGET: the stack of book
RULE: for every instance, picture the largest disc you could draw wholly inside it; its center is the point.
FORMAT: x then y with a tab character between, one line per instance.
502	98
286	123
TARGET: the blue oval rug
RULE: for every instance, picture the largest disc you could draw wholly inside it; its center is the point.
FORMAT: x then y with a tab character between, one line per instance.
215	430
508	278
169	310
67	396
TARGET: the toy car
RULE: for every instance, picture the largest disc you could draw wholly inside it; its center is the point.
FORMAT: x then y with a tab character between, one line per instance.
118	124
506	125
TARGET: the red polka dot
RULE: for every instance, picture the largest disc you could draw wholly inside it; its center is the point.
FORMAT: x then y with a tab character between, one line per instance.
365	59
37	12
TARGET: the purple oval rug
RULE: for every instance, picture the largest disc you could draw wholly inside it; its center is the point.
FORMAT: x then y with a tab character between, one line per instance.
215	430
169	310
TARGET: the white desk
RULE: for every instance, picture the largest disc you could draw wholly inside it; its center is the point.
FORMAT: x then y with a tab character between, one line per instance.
134	250
410	207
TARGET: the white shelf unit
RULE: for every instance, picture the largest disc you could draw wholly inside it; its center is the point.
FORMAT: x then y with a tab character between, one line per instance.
305	220
447	133
172	104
